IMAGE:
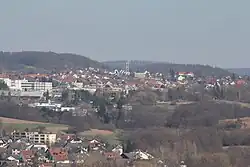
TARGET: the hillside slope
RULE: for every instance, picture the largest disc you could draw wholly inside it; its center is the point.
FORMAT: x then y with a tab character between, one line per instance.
163	67
42	61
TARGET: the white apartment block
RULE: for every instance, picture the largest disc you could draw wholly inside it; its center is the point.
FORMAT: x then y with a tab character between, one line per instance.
78	85
12	84
36	137
25	85
36	86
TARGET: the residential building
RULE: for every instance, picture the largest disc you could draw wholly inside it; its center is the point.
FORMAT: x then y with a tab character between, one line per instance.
26	85
80	113
140	75
37	86
67	108
118	149
27	155
30	94
58	155
48	105
14	93
127	107
137	155
90	89
47	165
36	137
12	84
78	85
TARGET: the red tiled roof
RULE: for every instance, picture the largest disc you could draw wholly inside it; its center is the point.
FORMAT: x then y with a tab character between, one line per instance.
68	79
152	82
240	82
94	141
27	154
4	76
111	155
46	165
132	83
68	136
58	154
35	75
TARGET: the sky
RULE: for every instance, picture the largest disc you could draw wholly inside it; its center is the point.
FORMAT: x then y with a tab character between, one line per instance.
178	31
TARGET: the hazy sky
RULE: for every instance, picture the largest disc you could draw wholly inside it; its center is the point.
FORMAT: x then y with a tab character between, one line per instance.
215	32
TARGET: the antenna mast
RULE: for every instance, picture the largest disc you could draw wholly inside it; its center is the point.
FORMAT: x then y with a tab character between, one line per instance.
127	67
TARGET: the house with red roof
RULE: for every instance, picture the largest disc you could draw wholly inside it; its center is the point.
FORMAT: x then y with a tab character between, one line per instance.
58	155
26	156
111	155
240	82
46	165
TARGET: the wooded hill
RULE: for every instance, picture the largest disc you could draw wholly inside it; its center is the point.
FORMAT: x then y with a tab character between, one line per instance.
34	61
44	61
164	67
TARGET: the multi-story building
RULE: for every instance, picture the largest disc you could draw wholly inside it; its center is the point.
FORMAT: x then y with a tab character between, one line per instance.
36	86
12	84
140	75
16	84
36	137
26	85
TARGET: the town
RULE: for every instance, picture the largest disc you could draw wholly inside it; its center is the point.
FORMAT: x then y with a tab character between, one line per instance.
79	94
124	83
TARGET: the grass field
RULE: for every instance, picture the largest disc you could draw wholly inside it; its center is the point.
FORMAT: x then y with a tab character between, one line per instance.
94	132
23	124
106	135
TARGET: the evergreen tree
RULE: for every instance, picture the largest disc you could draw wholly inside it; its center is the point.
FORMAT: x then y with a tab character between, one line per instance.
221	93
163	78
65	96
238	95
218	92
77	97
46	95
120	103
172	74
9	97
3	85
106	118
170	94
102	109
130	146
233	77
2	96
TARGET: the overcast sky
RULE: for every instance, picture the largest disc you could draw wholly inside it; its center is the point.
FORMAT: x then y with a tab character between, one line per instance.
215	32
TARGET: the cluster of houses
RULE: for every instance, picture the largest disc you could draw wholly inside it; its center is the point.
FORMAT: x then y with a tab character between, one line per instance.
52	106
91	80
37	86
48	149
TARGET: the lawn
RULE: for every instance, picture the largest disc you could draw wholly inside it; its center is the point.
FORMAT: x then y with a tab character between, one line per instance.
108	136
23	124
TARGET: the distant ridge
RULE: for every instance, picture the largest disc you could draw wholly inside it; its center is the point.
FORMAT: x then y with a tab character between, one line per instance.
240	71
34	61
164	67
44	61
